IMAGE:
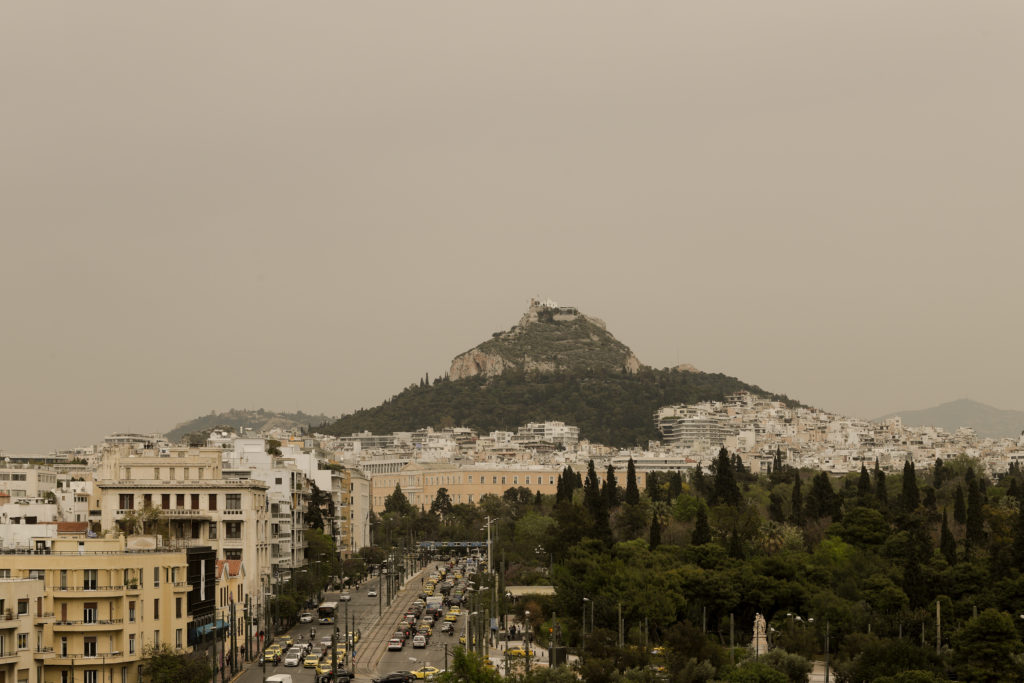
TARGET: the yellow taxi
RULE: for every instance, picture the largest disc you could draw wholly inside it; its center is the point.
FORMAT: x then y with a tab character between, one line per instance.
518	652
451	616
427	672
323	668
310	661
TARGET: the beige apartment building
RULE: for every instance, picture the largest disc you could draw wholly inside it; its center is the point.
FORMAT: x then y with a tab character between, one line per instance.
181	494
87	608
23	648
465	484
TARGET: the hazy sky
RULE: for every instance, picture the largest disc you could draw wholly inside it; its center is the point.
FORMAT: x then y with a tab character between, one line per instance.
206	205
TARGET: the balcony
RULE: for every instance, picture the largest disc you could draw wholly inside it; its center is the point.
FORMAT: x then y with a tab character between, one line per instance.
186	513
43	653
41	618
98	625
90	590
182	586
84	660
9	656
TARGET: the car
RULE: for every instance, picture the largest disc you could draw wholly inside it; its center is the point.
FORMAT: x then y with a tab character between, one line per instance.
395	644
396	677
427	672
425	630
451	616
287	640
292	659
306	618
371	593
271	655
310	661
419	640
518	652
323	668
447	627
428	620
343	676
326	643
345	597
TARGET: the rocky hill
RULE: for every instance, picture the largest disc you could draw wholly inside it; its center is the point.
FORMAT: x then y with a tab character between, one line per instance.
555	364
548	338
259	420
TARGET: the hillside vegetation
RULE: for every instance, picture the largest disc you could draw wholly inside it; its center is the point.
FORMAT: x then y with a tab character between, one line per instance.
236	419
613	408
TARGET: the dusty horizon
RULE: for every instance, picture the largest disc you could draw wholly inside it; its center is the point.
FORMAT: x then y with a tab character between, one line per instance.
244	205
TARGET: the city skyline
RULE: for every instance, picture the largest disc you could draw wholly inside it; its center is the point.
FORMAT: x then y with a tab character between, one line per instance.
311	211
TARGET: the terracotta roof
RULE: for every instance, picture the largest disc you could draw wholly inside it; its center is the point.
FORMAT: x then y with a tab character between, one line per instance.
72	527
234	567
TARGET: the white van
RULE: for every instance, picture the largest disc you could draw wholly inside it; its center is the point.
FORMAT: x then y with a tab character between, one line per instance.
419	641
278	678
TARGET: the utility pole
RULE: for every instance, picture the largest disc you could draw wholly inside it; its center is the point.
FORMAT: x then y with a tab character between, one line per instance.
347	647
554	639
248	629
827	652
234	638
938	627
334	650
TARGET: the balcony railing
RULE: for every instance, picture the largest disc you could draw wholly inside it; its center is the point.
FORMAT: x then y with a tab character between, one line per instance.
95	622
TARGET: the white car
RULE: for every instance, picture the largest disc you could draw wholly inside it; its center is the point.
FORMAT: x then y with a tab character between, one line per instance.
345	597
371	593
293	659
306	618
419	641
395	644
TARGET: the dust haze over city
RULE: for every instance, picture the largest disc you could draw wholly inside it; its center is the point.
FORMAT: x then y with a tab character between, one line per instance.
249	204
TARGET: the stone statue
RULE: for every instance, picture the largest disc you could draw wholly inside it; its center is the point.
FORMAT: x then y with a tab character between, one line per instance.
759	644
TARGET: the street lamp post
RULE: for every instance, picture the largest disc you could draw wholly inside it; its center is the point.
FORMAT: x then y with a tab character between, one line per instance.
583	627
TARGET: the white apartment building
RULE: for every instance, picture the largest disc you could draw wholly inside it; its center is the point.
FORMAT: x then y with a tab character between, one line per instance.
27	481
183	494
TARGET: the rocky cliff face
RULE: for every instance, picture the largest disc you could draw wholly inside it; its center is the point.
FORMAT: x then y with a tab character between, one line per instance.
549	338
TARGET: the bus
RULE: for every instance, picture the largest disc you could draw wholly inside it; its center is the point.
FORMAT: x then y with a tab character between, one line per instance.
326	612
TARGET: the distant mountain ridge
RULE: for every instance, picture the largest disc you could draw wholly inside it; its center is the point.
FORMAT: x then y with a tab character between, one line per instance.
259	420
987	421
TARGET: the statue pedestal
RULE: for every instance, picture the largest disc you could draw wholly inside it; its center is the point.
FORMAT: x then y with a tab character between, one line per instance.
759	645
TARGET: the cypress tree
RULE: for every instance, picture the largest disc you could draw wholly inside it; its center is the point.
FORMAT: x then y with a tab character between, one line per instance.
735	545
725	489
655	532
947	544
592	491
611	488
797	503
959	507
675	485
699	483
701	529
929	498
775	511
864	483
1018	539
632	492
975	518
939	474
538	500
1014	489
881	493
910	498
654	486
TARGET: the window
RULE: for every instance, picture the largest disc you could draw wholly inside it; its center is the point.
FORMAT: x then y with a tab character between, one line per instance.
65	676
131	610
177	638
3	646
165	501
156	576
156	608
470	478
177	609
156	638
89	647
89	613
63	646
131	643
232	501
515	479
232	530
277	480
551	480
527	479
213	531
22	606
63	579
127	501
502	479
194	501
22	641
36	574
213	501
494	480
124	674
90	674
179	500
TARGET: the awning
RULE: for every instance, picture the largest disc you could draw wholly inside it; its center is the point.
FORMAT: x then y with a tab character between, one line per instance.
220	625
